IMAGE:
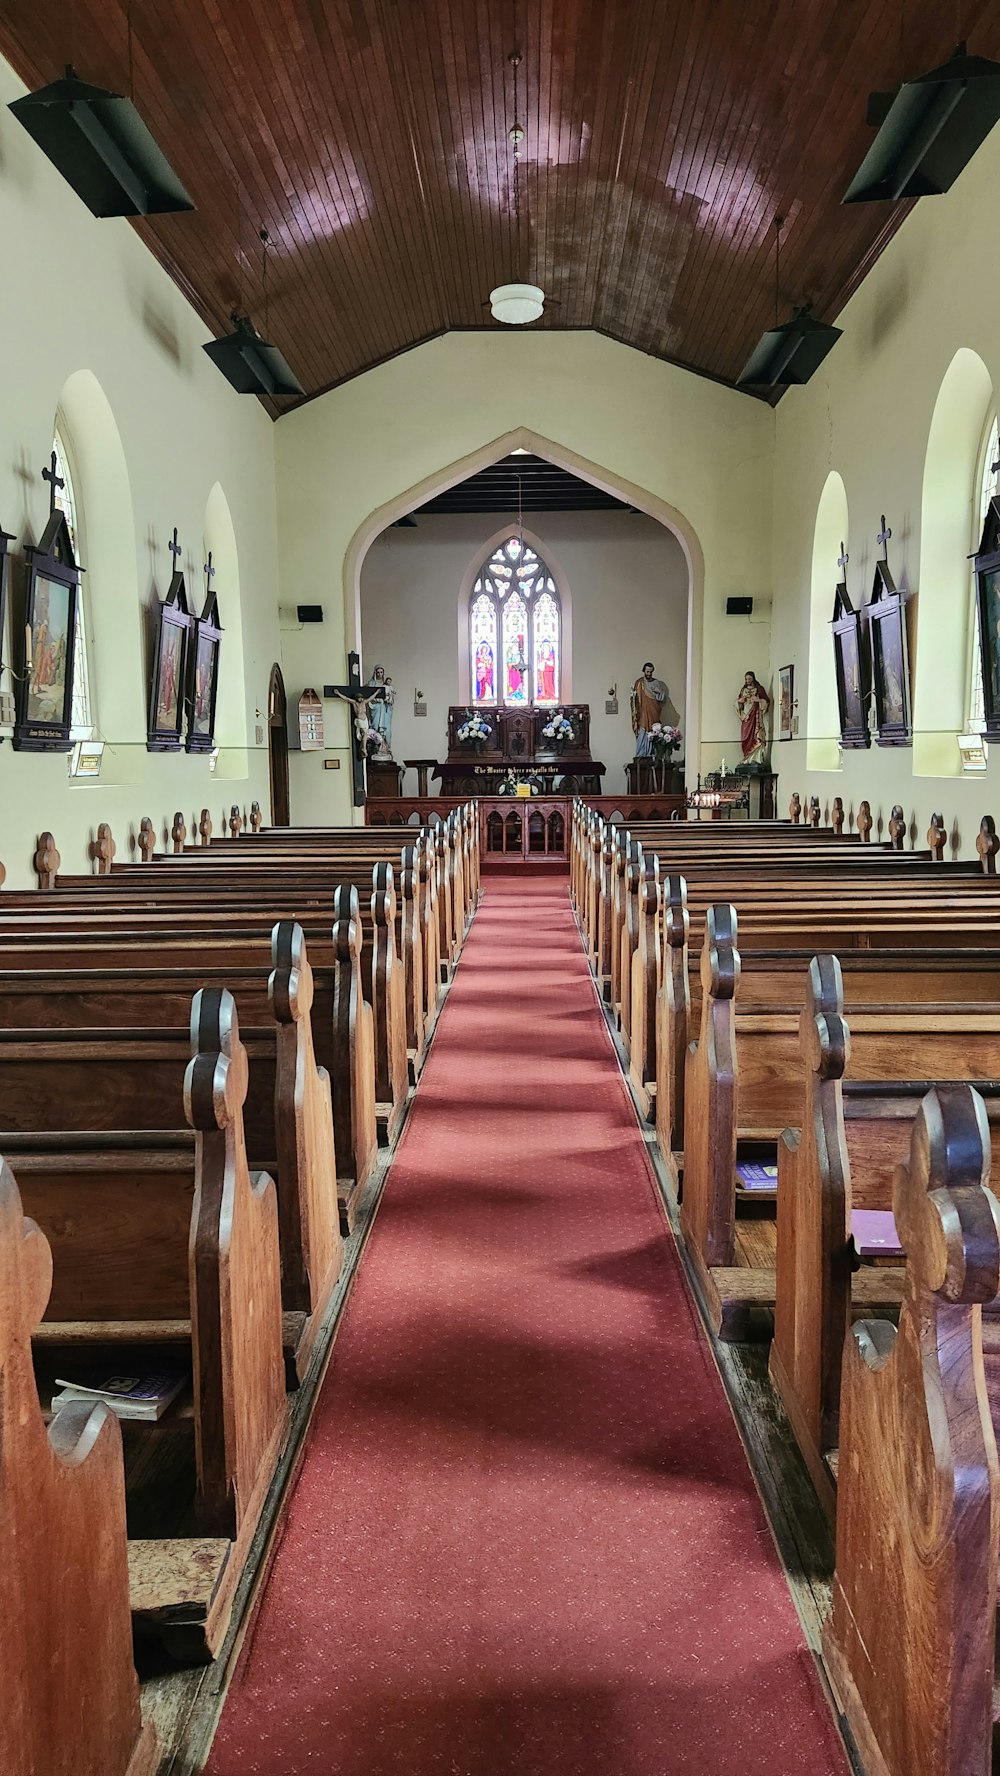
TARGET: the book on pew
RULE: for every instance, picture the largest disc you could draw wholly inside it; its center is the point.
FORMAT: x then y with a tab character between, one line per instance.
130	1396
751	1175
875	1234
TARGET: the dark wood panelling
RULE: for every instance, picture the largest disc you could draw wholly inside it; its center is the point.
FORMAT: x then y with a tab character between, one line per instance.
370	138
528	483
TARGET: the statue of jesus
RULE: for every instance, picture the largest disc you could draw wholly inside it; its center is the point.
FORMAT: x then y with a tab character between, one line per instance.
647	698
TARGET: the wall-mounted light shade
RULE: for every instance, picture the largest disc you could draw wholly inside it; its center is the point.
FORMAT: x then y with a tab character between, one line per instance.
252	365
517	304
928	130
100	145
788	355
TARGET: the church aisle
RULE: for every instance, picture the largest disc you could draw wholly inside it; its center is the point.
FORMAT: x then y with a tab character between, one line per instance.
525	1536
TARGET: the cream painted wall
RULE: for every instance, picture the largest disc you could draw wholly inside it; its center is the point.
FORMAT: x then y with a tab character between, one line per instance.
679	447
157	437
627	579
868	415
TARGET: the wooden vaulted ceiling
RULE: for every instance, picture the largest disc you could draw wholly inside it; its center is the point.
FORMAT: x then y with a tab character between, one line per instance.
370	138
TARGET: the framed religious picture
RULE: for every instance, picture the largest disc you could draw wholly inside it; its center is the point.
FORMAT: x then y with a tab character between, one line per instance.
203	677
890	661
987	560
786	702
51	592
851	664
165	731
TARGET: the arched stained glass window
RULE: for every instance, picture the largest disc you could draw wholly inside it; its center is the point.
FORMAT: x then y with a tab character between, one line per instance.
515	629
989	484
82	714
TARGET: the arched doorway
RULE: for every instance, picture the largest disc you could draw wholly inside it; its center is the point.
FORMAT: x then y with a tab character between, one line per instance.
277	748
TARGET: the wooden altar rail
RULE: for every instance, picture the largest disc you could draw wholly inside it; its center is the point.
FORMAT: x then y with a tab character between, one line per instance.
418	810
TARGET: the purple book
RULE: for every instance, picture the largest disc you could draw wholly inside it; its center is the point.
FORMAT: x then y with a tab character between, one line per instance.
874	1233
754	1176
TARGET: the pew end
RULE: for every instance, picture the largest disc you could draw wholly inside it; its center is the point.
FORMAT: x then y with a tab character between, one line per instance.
910	1644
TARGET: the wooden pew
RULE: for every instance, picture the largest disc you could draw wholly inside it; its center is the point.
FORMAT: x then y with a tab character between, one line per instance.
848	1139
69	1697
910	1645
744	1082
108	1048
177	1248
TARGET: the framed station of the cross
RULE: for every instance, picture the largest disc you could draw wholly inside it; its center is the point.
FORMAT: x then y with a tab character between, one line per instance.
851	664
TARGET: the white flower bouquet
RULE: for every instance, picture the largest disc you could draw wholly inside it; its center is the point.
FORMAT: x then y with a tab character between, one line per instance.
559	729
475	731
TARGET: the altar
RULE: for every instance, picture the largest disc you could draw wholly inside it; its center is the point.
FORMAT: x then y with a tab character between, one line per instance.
511	743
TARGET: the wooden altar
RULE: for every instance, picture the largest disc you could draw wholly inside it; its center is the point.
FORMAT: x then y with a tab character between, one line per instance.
515	744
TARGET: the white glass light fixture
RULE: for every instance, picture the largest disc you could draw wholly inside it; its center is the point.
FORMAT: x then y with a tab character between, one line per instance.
517	304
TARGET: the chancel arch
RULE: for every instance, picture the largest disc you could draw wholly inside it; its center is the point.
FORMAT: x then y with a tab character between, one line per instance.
949	513
220	540
86	436
830	538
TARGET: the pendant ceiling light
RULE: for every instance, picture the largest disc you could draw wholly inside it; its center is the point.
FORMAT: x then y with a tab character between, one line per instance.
251	364
928	130
516	304
102	148
789	354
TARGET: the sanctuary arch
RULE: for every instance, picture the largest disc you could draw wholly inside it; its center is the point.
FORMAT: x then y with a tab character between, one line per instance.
651	504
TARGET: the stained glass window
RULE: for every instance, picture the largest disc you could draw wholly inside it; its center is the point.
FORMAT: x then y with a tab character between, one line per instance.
515	629
989	483
82	714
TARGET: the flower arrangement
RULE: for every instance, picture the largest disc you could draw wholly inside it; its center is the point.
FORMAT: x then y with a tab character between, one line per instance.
374	743
663	740
475	731
559	729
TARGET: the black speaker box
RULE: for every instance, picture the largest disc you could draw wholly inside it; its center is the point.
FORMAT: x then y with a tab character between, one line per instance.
739	607
310	613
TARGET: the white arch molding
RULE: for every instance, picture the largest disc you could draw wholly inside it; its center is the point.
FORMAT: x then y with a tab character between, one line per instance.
640	497
231	706
822	714
948	508
471	574
116	655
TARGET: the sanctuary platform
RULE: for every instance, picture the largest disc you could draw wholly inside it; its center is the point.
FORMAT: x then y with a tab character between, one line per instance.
515	742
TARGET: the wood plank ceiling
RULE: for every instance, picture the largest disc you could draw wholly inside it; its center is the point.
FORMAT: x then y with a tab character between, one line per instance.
370	138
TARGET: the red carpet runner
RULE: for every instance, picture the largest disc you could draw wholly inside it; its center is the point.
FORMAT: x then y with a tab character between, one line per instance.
525	1537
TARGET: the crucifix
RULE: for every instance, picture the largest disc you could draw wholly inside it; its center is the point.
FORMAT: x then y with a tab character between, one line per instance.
55	480
175	548
842	559
209	570
883	538
360	697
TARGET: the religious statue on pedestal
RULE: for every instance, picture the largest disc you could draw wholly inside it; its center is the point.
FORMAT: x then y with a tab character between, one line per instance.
752	706
647	698
380	710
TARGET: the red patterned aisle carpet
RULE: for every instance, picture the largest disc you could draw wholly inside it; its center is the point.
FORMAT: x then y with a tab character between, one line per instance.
524	1537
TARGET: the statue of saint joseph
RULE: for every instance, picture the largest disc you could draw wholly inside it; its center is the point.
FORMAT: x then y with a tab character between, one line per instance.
647	699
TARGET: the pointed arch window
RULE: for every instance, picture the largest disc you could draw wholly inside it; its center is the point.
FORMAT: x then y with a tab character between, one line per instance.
988	484
82	715
515	630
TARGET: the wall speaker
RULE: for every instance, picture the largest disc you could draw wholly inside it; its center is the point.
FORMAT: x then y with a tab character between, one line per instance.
739	607
309	613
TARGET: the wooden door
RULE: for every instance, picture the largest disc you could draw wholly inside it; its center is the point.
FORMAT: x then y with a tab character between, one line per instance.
277	748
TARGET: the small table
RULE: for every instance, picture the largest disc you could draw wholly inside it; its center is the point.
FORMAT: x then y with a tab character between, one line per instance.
421	766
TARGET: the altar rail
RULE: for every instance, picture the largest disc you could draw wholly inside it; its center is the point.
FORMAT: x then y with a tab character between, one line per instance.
420	810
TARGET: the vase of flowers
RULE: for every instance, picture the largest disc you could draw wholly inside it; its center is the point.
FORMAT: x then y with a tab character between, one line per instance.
664	741
474	732
560	731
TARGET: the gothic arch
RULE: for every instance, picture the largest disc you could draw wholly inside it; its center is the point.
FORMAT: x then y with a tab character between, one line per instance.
114	615
563	587
941	643
524	439
220	537
822	717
